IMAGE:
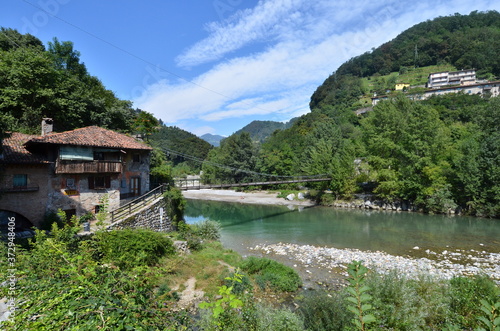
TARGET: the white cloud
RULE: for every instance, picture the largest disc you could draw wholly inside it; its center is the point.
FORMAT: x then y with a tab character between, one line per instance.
305	41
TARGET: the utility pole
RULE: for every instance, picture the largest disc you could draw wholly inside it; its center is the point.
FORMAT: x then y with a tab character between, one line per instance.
416	57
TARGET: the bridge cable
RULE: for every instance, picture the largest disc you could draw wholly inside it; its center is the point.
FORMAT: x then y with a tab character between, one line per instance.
193	158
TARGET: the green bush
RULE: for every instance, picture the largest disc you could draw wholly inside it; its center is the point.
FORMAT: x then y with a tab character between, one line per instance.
131	248
396	302
197	234
207	230
270	273
465	298
324	311
424	303
269	318
239	287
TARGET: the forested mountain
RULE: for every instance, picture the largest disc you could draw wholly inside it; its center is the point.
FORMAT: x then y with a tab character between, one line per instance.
259	131
212	139
172	139
37	82
440	154
464	41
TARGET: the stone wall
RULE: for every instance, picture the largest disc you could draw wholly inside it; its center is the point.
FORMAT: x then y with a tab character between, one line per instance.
148	218
80	198
30	203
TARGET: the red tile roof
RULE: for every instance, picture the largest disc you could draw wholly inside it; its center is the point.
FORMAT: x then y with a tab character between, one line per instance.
14	151
91	136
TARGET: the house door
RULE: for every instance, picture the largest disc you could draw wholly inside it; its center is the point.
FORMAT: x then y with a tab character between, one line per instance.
135	186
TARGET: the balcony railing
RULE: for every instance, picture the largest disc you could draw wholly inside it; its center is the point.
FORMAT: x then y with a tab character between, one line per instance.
87	167
18	189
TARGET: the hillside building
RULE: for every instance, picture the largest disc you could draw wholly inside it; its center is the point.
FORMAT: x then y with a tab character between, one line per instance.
71	171
446	78
401	86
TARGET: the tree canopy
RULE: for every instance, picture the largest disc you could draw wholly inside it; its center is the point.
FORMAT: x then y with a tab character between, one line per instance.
36	82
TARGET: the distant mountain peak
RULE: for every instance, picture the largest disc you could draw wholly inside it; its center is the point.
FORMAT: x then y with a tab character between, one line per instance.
212	139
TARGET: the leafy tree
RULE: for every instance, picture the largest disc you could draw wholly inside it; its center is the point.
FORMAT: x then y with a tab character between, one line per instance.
407	143
145	124
36	83
232	161
27	80
330	154
160	170
12	39
66	58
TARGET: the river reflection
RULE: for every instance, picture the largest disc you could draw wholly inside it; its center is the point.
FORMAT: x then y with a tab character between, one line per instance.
245	225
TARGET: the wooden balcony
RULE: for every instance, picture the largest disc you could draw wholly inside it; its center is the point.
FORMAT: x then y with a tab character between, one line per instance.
88	167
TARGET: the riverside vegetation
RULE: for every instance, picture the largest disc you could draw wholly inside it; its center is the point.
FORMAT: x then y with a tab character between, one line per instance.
129	280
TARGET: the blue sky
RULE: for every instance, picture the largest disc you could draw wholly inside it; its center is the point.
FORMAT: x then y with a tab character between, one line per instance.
214	66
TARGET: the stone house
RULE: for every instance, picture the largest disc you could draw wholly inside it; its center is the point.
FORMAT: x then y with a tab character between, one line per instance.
71	170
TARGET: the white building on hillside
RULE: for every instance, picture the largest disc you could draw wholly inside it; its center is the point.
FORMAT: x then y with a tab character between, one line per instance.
445	78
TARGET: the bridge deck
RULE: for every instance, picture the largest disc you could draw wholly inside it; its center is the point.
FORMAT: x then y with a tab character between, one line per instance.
195	184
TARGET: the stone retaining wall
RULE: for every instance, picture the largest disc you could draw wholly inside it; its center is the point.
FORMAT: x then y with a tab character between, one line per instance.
148	218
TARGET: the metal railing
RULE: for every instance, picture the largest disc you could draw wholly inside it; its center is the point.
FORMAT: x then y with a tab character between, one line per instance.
137	204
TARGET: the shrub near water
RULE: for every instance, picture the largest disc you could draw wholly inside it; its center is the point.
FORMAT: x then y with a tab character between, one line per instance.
273	274
323	311
131	248
208	230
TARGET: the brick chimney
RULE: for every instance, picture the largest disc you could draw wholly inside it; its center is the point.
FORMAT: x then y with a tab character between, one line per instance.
47	126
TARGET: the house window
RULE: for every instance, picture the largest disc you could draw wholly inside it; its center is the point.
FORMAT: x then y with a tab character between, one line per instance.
20	180
99	182
70	183
98	156
136	158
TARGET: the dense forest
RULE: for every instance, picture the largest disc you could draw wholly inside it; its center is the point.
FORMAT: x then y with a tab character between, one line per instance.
441	154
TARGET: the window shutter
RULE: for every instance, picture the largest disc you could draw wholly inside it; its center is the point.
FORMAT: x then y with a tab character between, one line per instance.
107	181
91	182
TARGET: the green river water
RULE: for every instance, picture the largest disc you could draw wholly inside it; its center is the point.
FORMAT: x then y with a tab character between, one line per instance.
397	233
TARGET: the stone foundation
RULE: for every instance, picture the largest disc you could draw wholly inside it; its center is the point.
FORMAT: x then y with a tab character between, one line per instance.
148	218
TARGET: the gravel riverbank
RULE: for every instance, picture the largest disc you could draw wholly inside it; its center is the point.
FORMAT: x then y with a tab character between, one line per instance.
259	197
327	265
